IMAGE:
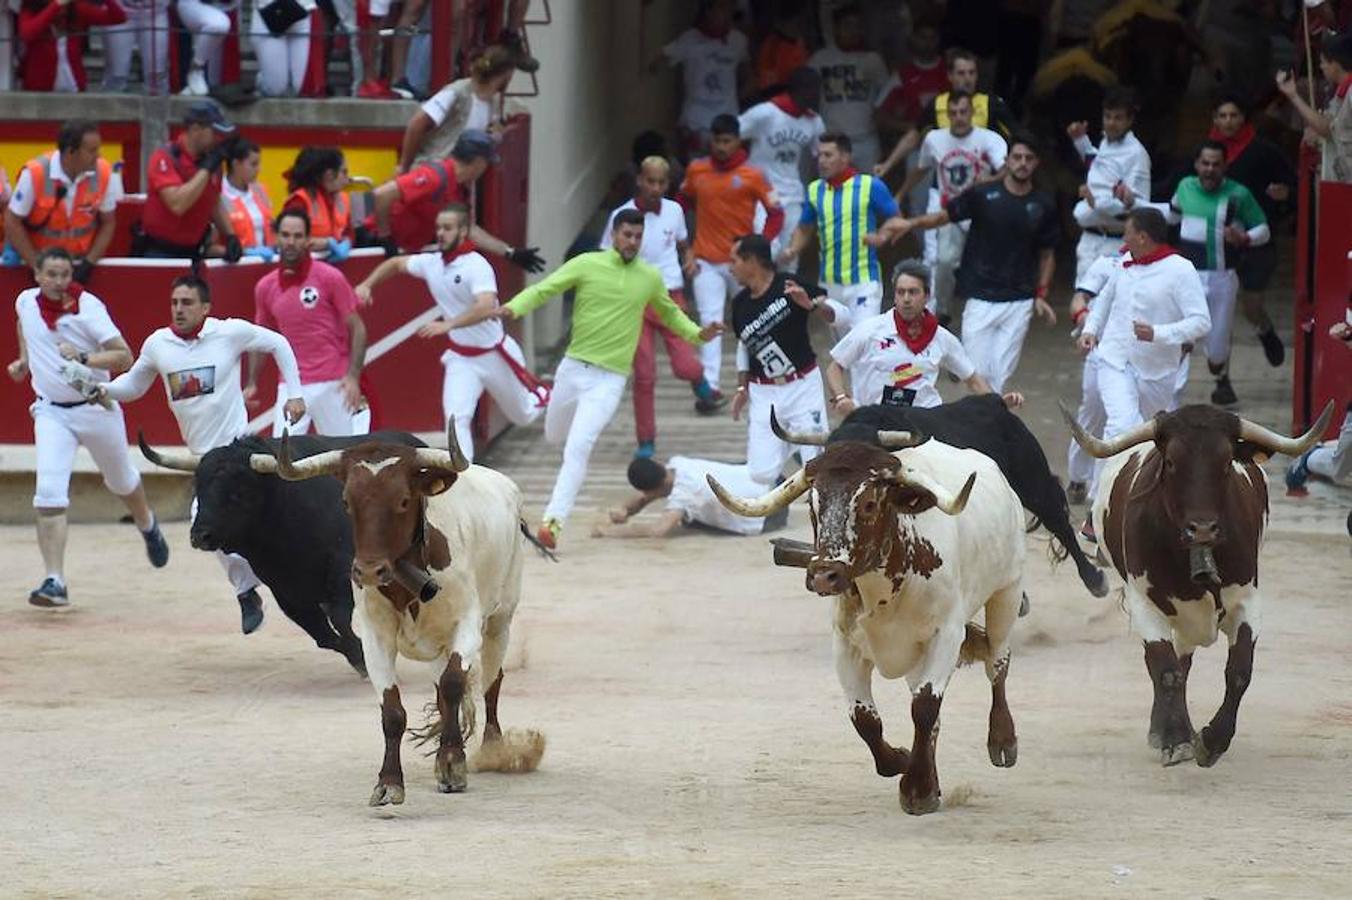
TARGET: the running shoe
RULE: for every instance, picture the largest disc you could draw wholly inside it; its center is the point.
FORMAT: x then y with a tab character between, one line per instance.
157	548
375	89
1272	347
50	594
645	450
548	535
707	406
1224	394
250	611
407	91
1297	474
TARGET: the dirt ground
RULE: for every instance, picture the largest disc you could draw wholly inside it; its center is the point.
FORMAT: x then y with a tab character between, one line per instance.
698	745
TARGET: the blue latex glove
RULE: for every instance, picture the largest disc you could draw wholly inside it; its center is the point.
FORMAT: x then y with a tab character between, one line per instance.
339	250
10	257
267	254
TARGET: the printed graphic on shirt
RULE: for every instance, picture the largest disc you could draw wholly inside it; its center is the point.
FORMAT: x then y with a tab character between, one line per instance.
187	383
842	83
309	296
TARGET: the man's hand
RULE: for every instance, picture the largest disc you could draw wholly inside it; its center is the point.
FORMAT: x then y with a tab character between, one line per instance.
1124	194
1086	195
795	292
1086	342
67	351
363	292
1077	130
18	370
83	271
1236	236
212	159
528	258
1077	305
786	256
739	400
251	400
1043	310
710	331
435	329
294	410
1278	192
1013	400
688	266
880	170
619	515
502	312
845	406
1286	82
352	394
1144	331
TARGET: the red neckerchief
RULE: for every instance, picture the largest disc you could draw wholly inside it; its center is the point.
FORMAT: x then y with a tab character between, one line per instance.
731	162
459	250
54	309
790	107
1344	86
839	181
188	335
719	35
1154	256
288	278
644	206
1236	143
929	326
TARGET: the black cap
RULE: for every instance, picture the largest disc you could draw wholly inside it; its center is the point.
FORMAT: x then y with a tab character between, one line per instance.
473	143
204	112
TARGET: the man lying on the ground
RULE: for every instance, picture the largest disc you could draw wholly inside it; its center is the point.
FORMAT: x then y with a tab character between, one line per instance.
684	482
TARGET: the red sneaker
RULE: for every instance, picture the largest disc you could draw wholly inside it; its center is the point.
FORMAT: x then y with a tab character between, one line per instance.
375	89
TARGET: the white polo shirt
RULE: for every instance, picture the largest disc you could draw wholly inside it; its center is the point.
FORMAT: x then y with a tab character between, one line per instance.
1166	294
885	370
86	330
202	379
21	203
692	496
453	286
662	231
777	144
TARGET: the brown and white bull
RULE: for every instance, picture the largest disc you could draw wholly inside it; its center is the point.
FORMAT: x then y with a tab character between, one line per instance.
912	545
438	550
1179	510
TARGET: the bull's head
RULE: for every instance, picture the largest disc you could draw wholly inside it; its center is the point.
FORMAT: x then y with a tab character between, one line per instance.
385	489
856	493
230	495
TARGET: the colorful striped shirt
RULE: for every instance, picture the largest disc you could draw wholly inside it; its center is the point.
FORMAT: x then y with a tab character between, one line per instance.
842	216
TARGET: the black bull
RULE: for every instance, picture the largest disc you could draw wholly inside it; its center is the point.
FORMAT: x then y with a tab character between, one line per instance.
984	424
295	535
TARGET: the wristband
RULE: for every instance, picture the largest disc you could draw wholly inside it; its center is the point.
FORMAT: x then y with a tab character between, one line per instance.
837	398
1078	317
1040	292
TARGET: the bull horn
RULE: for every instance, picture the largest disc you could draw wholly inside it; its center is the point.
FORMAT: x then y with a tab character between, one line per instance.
946	501
1103	449
179	462
807	439
773	501
452	458
901	440
263	463
327	463
1273	442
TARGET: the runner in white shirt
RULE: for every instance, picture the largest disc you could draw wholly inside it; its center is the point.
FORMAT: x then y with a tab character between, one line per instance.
481	355
1119	176
198	359
894	358
67	344
779	130
714	61
684	483
1090	415
852	80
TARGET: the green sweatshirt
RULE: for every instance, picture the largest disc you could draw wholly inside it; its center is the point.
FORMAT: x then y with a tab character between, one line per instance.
608	311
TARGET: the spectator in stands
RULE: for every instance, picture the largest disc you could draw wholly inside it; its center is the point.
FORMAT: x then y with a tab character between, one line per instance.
781	51
280	34
1333	127
184	196
714	63
146	30
915	84
513	37
51	33
209	22
406	207
318	180
852	79
246	201
65	199
460	105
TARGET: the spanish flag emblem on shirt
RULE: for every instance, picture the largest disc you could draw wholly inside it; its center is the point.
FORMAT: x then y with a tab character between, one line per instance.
906	373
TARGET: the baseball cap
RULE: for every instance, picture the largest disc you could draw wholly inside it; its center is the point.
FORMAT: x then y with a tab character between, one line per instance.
204	112
474	142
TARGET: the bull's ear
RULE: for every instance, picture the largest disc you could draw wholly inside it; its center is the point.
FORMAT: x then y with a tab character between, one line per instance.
431	482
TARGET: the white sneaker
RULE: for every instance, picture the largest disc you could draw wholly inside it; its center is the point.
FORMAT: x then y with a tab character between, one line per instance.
196	83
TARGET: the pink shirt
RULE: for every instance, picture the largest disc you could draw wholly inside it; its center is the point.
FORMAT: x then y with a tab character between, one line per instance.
310	308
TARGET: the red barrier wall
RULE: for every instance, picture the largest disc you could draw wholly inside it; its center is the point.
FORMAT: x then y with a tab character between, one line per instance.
1323	366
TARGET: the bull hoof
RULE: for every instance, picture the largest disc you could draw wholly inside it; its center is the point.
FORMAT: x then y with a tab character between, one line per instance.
386	794
1004	756
452	776
1204	754
1155	740
1175	754
920	806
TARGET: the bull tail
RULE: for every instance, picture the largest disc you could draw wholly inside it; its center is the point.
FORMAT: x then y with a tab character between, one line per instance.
433	725
535	542
976	646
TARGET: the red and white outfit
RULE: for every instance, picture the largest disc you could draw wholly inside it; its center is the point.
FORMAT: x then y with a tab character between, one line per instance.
697	503
483	356
53	61
888	365
1090	415
147	31
779	132
310	307
63	420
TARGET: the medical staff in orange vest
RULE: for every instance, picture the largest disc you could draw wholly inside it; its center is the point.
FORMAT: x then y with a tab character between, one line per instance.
318	179
247	203
65	199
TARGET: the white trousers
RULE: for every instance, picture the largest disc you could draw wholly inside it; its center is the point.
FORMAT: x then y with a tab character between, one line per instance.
1091	417
468	377
943	254
799	406
793	214
861	301
282	58
1222	288
581	405
209	26
325	407
1092	247
237	568
713	286
1129	399
147	31
993	334
1333	459
59	431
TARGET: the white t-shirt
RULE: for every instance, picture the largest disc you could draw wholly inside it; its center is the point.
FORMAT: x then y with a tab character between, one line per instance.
709	70
21	203
692	496
454	286
86	330
662	231
959	161
201	377
851	83
777	144
880	362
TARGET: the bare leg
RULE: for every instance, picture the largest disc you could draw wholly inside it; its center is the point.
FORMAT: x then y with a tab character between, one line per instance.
452	770
407	22
139	507
52	529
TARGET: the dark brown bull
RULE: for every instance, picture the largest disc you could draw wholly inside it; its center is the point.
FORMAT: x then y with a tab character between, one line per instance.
1180	513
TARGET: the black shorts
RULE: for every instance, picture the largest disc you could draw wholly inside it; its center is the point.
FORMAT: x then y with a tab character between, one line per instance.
1255	267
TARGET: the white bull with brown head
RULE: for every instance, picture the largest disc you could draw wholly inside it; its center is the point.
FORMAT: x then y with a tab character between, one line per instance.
912	544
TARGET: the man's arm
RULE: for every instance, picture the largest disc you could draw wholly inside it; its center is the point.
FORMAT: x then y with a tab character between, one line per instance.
414	134
102	238
908	142
382	201
392	266
1098	314
564	278
356	358
484	307
113	356
839	396
1046	268
18	238
1195	321
133	383
259	340
1314	119
663	526
675	318
799	241
180	197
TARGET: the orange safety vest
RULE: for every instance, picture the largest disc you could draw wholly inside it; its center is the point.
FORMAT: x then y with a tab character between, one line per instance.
328	218
242	222
49	223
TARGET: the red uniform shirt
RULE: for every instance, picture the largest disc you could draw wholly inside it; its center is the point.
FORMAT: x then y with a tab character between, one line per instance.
169	169
424	191
914	87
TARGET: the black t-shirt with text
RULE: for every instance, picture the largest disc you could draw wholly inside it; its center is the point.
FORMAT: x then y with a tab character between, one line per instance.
1007	235
774	329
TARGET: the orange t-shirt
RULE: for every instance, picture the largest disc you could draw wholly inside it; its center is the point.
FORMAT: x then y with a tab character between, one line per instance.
725	206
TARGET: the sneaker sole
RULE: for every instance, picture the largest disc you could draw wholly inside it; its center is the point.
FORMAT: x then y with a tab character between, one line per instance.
46	602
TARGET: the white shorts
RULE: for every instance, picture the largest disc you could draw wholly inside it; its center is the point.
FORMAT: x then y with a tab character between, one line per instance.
1221	288
325	407
59	431
468	377
799	406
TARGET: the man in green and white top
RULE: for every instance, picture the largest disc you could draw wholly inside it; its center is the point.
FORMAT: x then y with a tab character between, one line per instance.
614	288
1217	218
